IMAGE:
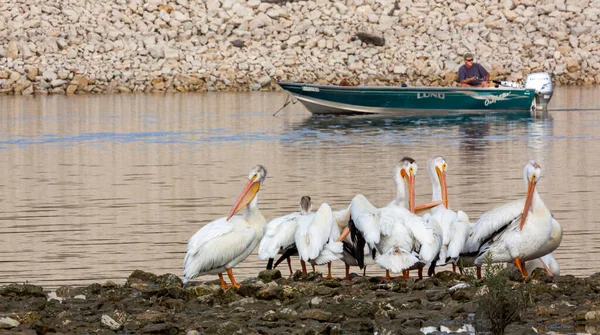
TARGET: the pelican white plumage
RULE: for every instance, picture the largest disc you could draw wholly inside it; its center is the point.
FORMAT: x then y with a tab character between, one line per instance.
279	233
394	230
222	244
316	239
455	225
516	231
547	262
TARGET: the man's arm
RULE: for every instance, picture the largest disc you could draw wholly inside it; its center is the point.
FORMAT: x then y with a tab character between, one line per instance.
484	73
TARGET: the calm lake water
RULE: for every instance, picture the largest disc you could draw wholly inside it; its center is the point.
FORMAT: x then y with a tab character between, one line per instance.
94	187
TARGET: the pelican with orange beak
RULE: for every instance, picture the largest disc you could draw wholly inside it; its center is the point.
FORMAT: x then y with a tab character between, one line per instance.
222	244
514	232
401	237
455	225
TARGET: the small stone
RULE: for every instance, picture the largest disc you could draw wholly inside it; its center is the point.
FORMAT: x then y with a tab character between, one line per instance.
12	51
71	89
316	314
270	293
264	81
166	8
238	43
8	323
269	316
32	73
110	323
371	39
269	275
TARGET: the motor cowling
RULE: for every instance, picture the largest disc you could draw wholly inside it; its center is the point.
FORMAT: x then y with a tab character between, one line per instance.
541	82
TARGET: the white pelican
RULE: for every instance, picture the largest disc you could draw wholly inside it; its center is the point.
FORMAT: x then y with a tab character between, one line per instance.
433	249
225	242
455	225
394	230
279	233
514	232
316	239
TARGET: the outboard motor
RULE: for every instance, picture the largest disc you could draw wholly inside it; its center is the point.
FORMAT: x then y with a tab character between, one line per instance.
541	82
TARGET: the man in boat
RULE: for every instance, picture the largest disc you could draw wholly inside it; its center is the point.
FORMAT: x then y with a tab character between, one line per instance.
472	74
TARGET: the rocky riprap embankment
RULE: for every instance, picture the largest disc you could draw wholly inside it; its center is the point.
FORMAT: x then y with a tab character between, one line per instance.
94	46
148	303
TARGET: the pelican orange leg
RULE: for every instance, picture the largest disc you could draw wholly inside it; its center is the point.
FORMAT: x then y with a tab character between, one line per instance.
521	267
233	283
223	284
328	271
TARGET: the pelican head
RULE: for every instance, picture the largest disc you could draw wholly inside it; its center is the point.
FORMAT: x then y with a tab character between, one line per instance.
256	176
438	165
531	175
406	171
305	205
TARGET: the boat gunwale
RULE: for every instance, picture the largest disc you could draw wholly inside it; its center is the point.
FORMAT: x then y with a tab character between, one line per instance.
396	88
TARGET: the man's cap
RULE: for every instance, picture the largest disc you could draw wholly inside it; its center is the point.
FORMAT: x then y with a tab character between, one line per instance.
468	56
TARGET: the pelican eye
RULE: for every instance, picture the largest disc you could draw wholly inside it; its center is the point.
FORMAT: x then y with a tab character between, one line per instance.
444	167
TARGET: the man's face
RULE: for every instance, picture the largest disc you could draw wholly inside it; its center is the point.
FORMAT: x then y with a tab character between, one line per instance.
469	62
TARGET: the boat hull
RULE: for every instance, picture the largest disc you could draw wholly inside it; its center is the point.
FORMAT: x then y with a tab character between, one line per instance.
409	101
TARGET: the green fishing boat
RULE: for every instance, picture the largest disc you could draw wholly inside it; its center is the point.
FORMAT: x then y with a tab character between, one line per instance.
426	101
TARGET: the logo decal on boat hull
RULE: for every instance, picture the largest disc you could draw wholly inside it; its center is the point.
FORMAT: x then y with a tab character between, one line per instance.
495	98
310	89
425	95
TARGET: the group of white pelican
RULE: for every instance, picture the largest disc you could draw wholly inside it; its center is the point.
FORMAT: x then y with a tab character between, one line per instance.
522	232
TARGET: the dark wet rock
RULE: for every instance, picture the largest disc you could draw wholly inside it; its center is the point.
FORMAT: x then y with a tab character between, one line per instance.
371	39
447	276
464	295
333	283
250	290
225	328
316	314
425	284
170	280
437	295
311	276
269	316
359	326
160	328
270	293
269	275
238	43
25	290
151	284
517	329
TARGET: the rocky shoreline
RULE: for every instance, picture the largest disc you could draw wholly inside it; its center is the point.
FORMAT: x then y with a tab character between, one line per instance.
303	304
50	47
